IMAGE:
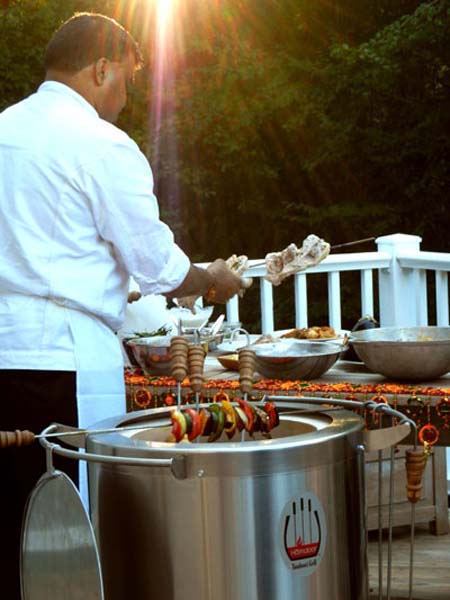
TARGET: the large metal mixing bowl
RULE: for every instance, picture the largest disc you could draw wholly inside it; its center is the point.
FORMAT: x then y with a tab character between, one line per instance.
407	353
152	354
295	359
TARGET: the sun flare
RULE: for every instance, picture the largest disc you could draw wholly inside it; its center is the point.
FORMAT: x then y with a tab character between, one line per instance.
164	13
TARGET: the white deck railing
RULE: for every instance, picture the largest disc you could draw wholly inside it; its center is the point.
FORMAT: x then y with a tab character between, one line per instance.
405	278
400	268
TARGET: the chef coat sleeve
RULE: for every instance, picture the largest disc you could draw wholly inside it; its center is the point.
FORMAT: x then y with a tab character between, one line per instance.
119	188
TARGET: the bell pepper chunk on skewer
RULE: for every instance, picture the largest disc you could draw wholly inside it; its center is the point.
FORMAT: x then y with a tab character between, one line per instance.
196	424
230	419
219	418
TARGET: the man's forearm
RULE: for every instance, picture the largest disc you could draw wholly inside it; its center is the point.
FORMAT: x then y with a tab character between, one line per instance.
197	282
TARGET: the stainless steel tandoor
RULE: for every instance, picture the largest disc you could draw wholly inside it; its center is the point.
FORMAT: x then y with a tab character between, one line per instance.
278	519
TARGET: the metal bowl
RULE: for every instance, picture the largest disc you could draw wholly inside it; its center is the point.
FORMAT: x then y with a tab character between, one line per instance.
152	354
408	353
293	359
205	337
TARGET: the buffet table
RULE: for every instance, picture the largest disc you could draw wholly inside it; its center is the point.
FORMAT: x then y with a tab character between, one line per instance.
427	404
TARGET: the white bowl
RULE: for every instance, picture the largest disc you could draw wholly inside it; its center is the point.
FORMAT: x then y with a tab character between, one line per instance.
190	320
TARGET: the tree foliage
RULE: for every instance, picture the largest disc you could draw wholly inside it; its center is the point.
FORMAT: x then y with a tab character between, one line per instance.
282	123
382	110
277	118
25	28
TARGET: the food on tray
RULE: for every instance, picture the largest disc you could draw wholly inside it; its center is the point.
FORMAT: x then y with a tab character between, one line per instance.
189	424
291	260
311	333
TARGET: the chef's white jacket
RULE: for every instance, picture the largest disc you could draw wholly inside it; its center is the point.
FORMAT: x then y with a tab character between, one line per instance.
77	218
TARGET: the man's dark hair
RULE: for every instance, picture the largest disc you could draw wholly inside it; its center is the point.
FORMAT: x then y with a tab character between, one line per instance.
85	38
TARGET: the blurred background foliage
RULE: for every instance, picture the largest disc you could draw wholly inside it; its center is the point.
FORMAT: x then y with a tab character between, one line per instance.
267	120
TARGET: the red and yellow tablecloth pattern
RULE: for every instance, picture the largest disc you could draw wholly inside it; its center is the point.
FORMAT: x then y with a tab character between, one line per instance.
428	407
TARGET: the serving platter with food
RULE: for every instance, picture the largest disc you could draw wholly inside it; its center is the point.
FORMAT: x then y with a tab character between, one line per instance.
315	333
230	359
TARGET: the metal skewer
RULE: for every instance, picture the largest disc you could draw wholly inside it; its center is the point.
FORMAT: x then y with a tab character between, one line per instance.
380	520
411	551
178	394
390	517
415	466
243	431
345	244
26	438
335	247
246	371
97	431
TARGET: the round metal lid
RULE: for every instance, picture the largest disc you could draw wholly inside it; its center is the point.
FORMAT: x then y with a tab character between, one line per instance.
59	556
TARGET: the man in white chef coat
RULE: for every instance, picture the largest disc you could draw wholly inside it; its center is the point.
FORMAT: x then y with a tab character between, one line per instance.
78	217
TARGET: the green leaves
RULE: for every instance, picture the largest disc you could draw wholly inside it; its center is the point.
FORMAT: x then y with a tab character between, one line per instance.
25	28
278	117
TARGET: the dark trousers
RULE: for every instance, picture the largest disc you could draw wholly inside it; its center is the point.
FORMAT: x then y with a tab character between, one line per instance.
28	400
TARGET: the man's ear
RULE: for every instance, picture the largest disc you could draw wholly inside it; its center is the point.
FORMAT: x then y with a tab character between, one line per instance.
100	70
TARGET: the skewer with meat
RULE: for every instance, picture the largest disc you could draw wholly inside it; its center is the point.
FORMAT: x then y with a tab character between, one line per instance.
291	260
280	265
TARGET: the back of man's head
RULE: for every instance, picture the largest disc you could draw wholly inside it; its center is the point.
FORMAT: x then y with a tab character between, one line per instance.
85	38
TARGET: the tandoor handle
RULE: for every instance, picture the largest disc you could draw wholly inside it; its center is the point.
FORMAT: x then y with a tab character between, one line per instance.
176	464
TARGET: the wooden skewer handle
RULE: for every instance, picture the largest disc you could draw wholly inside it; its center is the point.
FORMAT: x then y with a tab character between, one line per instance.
16	438
246	369
416	461
196	360
179	358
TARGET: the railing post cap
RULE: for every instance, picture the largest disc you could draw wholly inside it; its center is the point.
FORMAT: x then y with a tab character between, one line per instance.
399	240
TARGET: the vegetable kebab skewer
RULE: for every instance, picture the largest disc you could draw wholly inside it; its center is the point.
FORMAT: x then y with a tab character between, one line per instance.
179	362
246	371
222	416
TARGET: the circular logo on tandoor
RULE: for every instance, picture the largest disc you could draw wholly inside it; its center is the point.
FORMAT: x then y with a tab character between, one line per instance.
303	533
